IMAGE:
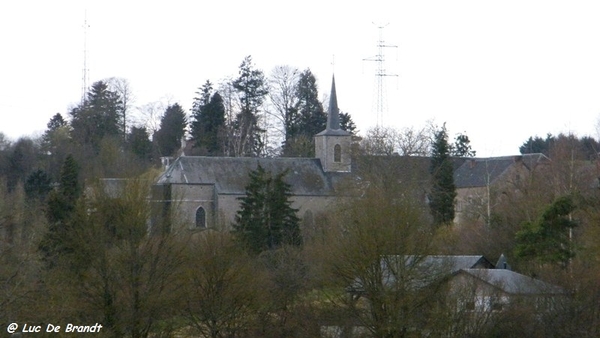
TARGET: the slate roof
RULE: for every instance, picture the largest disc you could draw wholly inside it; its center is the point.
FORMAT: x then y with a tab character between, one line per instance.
477	172
455	263
230	174
411	171
425	269
429	268
514	283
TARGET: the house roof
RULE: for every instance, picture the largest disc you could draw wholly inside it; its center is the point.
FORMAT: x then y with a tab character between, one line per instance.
455	263
479	172
230	174
426	269
513	283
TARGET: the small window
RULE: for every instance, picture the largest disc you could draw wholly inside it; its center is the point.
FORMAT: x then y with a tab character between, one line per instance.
337	153
200	218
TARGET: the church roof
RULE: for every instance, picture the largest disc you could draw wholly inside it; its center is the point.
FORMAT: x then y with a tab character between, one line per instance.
478	172
230	174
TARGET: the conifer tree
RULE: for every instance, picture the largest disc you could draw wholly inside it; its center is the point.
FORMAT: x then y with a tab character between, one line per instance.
61	204
547	239
172	129
139	143
443	190
305	119
252	88
38	185
346	123
208	119
462	146
266	219
100	115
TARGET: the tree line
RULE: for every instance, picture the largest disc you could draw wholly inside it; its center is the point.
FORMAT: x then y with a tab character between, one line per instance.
82	252
76	250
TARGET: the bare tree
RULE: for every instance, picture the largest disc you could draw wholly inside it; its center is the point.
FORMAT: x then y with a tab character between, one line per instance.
122	87
150	115
282	83
223	288
126	276
377	253
404	142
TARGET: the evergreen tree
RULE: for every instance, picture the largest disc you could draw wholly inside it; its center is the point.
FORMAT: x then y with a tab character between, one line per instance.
547	239
208	114
537	145
252	88
346	123
266	219
139	143
38	185
99	116
54	126
443	190
312	116
61	201
21	161
306	119
172	129
462	146
57	121
61	205
583	148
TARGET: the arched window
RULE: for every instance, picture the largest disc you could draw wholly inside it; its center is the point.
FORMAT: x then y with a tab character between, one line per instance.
200	218
337	153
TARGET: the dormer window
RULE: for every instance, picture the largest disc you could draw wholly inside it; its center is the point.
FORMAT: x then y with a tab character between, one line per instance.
337	153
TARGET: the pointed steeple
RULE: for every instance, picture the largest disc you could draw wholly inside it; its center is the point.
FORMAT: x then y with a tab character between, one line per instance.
333	114
332	145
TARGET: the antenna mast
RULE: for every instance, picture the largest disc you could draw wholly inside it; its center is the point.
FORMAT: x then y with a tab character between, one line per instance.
85	75
380	73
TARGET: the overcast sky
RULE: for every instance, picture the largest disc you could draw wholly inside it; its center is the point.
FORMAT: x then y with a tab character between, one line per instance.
500	71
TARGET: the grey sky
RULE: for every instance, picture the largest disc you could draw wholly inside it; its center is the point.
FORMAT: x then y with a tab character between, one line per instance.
500	71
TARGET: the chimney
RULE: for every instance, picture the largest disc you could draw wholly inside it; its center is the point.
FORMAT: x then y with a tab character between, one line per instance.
166	161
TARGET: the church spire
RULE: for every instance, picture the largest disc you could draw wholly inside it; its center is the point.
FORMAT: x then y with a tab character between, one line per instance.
333	114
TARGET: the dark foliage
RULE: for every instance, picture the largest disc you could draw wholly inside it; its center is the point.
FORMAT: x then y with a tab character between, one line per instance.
547	239
61	205
99	116
38	185
138	141
21	162
172	129
266	219
252	88
462	146
347	124
443	190
208	114
584	148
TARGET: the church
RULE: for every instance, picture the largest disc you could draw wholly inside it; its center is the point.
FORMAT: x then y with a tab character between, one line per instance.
204	191
207	189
